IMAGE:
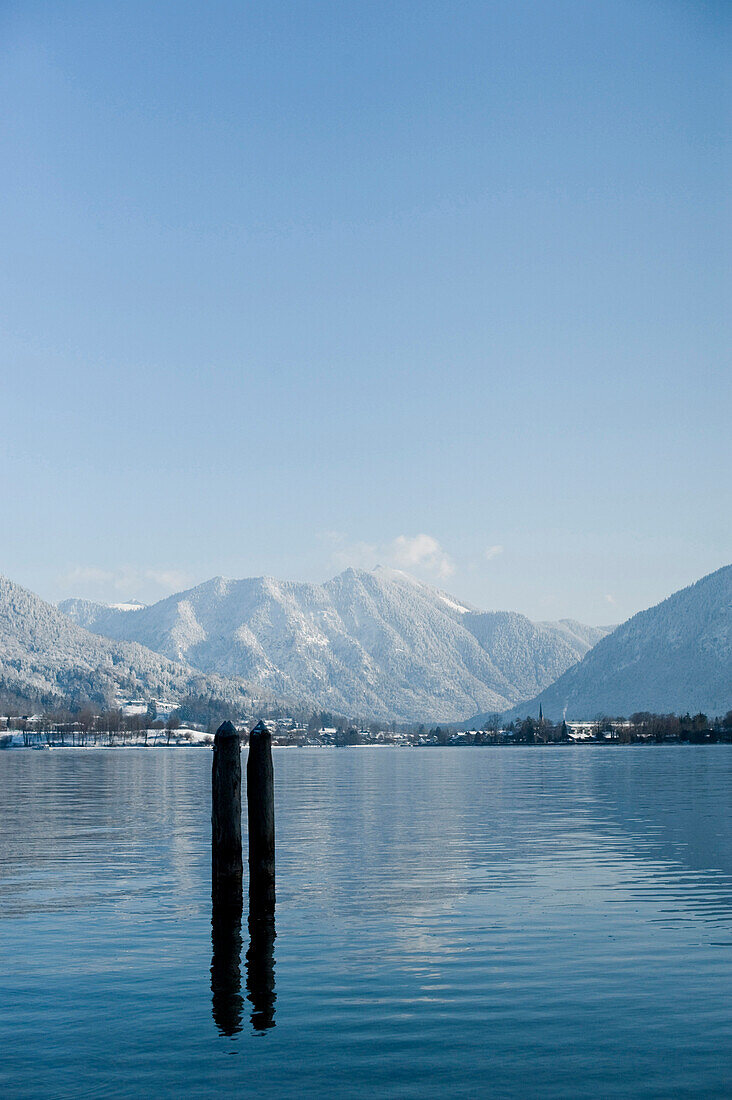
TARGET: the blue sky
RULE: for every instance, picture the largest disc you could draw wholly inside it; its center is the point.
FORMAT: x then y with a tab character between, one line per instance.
292	286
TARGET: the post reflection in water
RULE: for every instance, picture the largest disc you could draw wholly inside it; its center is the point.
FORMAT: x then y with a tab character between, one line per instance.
260	961
226	916
226	996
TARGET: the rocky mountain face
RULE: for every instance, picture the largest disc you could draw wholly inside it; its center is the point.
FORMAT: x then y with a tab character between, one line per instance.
48	660
675	657
378	644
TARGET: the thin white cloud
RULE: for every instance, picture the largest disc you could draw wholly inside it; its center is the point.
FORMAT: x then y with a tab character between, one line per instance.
420	553
492	552
610	599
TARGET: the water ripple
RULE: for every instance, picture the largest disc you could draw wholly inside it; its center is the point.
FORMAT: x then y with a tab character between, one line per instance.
480	922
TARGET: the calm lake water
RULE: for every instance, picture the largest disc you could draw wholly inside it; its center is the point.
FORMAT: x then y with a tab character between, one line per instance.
450	922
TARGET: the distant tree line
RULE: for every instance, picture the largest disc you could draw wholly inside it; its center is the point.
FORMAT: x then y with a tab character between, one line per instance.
641	726
85	722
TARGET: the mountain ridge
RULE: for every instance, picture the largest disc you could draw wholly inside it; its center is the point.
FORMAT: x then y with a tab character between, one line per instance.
378	643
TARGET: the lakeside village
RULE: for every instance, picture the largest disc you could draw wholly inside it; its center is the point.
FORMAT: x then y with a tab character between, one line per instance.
148	724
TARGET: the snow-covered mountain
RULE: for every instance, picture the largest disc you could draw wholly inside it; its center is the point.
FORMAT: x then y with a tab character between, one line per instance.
677	656
375	643
90	615
46	658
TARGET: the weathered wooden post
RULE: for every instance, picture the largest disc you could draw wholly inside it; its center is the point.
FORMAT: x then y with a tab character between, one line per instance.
226	880
260	815
226	859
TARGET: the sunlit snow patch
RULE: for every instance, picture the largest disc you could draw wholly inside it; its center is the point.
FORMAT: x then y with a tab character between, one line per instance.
455	606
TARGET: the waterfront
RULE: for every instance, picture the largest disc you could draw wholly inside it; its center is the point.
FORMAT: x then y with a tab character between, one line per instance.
552	923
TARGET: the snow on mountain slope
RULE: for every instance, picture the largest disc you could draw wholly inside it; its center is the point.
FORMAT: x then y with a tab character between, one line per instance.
46	656
373	643
676	656
532	655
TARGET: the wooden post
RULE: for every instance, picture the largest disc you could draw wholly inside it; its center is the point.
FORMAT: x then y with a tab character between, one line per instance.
226	880
260	810
226	859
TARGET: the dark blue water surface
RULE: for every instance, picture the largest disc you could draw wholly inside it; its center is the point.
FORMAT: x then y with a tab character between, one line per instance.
450	922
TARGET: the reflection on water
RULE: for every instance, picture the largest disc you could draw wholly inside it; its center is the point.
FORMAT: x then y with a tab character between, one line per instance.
226	997
260	963
449	922
226	914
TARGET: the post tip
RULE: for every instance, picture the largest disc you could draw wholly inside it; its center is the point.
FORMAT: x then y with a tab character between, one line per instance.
226	729
259	728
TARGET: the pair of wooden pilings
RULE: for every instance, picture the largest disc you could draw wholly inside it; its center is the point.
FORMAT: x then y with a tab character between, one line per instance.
227	875
226	848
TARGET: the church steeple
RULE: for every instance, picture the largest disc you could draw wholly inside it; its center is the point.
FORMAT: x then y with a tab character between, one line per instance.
541	714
